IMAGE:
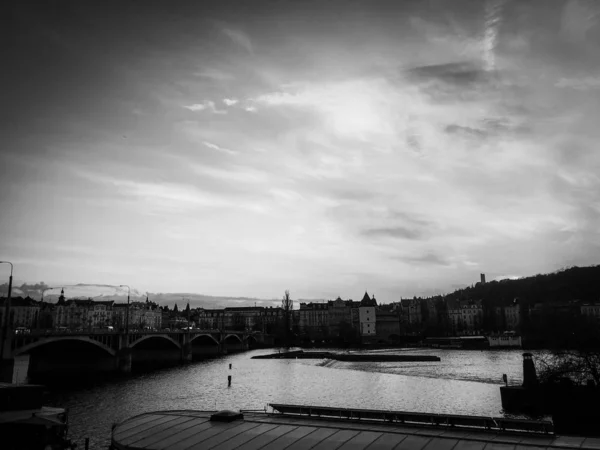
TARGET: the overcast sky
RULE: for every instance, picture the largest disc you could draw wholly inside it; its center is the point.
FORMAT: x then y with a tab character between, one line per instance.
245	148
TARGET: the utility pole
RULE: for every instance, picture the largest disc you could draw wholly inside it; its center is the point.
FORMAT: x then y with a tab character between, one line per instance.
7	310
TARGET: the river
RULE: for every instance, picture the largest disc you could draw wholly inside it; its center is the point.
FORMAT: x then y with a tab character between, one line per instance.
463	382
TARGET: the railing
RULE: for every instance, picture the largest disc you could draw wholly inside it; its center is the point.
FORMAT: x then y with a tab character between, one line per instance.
444	420
42	333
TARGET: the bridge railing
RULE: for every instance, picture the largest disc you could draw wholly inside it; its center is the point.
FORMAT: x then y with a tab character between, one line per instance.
97	331
415	418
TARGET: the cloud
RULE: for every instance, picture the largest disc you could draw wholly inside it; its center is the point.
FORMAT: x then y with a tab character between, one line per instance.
457	129
215	74
205	106
239	38
251	109
427	259
196	107
219	148
493	21
579	83
458	73
354	108
230	101
178	193
578	17
394	232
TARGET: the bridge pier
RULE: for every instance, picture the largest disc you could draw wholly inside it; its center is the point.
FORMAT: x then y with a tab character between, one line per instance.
186	352
123	360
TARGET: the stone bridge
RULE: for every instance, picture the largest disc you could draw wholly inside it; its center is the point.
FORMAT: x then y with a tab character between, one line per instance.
118	350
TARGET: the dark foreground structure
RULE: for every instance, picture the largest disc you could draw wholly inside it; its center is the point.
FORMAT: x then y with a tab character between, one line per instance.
304	427
574	409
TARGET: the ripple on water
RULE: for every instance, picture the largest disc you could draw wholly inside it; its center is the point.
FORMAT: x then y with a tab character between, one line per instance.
464	382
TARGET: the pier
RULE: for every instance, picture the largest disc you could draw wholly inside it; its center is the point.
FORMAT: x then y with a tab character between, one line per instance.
283	428
353	357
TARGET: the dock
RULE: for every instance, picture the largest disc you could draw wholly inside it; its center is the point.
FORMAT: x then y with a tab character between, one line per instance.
190	430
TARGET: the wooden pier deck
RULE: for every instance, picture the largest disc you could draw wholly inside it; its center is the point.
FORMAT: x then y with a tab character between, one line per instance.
190	430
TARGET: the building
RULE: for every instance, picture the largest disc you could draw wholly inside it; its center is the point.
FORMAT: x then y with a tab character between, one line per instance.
512	316
389	322
314	319
141	316
412	314
24	312
506	340
340	311
257	318
367	318
82	313
465	316
590	310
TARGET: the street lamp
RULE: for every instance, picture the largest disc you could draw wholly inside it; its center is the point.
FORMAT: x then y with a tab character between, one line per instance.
127	312
7	310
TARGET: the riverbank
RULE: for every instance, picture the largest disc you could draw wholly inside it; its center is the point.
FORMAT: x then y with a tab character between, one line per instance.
351	357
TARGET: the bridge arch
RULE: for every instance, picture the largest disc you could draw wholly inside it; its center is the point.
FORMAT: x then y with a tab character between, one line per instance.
205	335
151	336
233	335
41	342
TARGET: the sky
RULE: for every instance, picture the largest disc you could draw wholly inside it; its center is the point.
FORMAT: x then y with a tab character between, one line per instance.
328	148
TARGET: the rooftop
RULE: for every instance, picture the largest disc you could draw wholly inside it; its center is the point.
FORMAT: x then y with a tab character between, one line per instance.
185	430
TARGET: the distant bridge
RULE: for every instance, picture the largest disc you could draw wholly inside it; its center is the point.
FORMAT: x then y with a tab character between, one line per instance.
140	346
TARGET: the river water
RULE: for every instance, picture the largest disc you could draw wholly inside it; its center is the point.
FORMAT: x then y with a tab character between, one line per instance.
463	382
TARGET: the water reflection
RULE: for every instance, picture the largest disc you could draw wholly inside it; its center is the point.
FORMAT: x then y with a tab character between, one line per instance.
462	383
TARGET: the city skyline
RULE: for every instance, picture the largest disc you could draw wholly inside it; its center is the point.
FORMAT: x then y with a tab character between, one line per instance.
394	147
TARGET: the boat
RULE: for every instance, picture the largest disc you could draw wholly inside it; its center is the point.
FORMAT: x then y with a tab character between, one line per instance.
508	339
25	423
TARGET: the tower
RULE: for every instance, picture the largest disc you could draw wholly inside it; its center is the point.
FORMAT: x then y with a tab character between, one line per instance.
483	278
61	299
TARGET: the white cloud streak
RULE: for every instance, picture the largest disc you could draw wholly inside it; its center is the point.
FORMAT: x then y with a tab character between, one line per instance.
207	105
239	38
219	148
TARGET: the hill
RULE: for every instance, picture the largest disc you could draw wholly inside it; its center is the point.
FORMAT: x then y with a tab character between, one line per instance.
573	283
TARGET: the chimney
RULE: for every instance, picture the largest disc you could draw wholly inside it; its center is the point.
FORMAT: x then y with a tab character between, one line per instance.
483	278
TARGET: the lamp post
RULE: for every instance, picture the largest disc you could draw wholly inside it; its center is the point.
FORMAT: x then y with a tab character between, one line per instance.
7	310
127	312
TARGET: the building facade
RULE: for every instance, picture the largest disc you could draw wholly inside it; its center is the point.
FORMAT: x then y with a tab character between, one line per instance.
465	316
24	312
367	318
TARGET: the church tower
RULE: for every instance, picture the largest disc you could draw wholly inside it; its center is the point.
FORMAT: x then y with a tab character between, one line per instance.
61	299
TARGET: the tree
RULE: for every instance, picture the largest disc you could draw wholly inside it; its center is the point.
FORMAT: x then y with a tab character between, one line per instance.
577	366
287	304
175	308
